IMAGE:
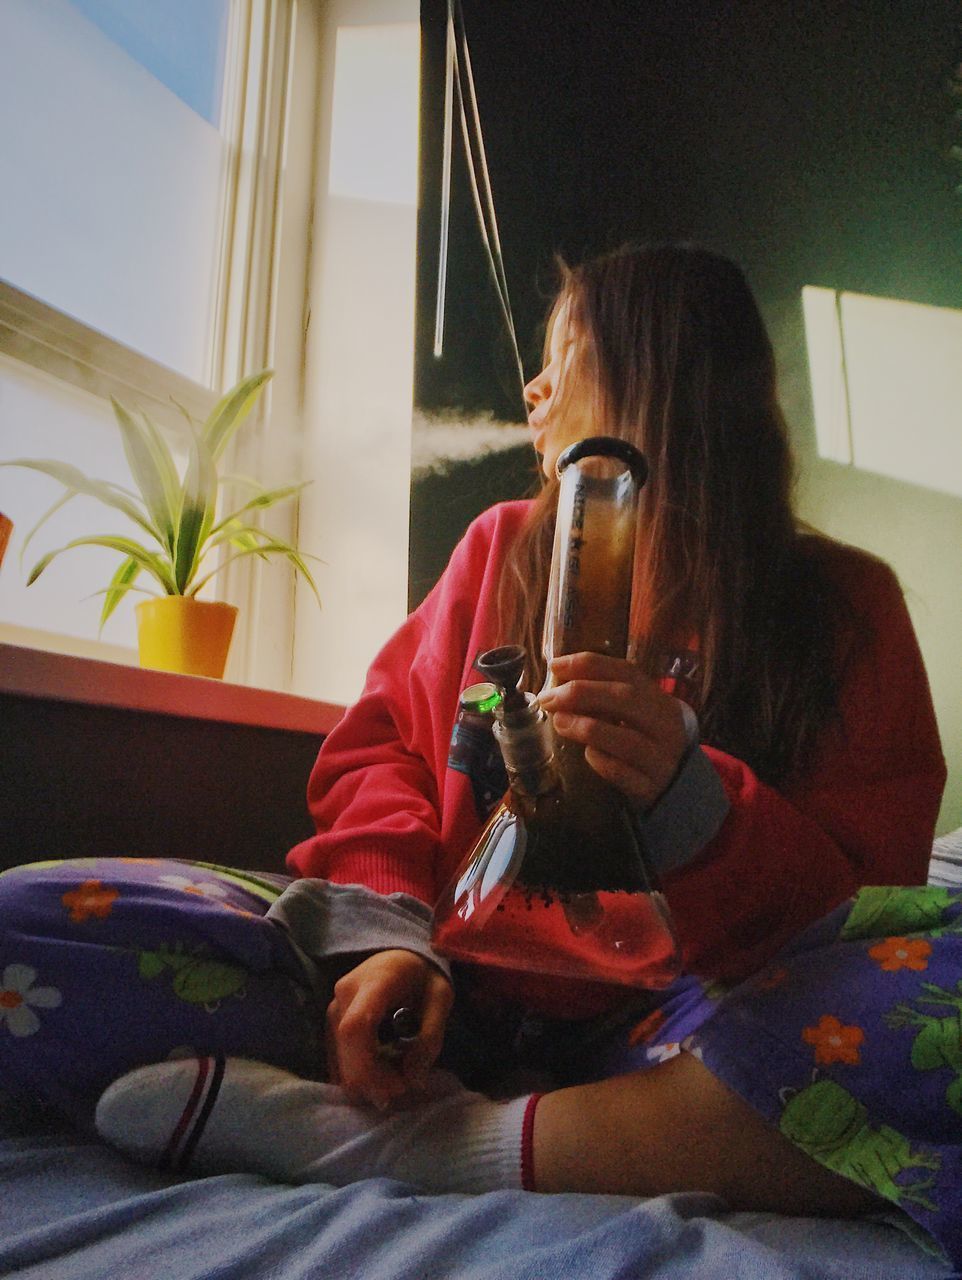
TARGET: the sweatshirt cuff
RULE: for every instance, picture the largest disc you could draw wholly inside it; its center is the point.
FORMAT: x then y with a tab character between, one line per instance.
324	920
689	813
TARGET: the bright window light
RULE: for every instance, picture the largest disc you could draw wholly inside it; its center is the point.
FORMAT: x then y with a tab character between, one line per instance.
887	385
180	42
359	389
113	185
374	133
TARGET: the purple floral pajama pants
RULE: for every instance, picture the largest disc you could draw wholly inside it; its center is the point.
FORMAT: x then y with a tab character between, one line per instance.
849	1042
107	964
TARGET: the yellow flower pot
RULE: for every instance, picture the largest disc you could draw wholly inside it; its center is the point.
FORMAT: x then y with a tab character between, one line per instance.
181	633
6	528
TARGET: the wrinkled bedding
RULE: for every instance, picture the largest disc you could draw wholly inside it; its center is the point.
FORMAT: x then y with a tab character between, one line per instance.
71	1209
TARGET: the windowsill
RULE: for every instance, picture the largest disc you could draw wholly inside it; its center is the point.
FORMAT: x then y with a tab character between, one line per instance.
35	673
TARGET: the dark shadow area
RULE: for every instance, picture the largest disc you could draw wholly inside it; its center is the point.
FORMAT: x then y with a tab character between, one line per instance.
444	502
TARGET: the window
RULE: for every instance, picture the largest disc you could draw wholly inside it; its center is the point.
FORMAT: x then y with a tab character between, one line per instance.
178	223
119	167
140	252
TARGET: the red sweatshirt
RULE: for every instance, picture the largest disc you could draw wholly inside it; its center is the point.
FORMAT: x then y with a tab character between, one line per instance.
391	815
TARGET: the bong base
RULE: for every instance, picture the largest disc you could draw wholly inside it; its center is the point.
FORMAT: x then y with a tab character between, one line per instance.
615	938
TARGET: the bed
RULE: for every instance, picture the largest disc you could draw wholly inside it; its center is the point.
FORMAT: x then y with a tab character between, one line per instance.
71	1209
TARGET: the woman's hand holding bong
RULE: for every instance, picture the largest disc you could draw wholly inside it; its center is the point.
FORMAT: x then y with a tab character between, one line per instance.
632	731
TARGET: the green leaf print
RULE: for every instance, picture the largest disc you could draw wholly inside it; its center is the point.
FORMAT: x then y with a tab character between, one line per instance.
880	911
150	964
197	979
939	1040
832	1126
206	981
937	1045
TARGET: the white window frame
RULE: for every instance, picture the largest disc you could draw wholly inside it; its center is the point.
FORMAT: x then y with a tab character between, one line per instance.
265	309
358	402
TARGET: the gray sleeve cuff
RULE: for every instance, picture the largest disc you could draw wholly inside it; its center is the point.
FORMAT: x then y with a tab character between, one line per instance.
689	814
326	920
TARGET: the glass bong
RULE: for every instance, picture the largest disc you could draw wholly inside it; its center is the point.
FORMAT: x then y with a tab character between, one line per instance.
558	882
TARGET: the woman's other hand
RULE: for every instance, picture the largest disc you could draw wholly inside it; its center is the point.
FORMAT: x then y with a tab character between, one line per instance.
363	998
632	731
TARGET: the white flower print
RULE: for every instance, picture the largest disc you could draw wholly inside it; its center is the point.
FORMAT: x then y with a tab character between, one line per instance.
662	1052
688	1044
18	994
204	888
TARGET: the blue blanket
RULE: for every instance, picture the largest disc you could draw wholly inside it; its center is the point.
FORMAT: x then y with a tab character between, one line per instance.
71	1209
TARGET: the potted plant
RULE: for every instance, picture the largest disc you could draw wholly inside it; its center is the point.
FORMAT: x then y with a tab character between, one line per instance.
180	516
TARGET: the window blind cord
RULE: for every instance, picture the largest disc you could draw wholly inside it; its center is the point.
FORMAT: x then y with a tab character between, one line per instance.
489	228
449	61
459	73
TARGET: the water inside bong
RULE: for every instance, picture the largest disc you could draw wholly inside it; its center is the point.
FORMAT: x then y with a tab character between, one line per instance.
544	895
622	939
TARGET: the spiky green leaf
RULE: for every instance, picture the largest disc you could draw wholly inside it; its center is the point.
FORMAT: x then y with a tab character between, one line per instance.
120	584
237	534
62	501
231	410
195	516
152	468
262	500
299	562
272	546
154	563
111	495
185	413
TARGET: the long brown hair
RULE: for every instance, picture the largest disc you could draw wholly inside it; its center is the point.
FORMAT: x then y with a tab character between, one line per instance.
670	341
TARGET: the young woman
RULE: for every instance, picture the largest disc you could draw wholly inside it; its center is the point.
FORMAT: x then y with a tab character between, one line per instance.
778	1070
815	716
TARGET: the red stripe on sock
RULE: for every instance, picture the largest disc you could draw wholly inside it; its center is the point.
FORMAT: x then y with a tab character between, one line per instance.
527	1143
187	1115
213	1090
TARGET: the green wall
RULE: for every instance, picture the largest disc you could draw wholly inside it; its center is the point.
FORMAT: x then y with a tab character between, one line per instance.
809	142
919	533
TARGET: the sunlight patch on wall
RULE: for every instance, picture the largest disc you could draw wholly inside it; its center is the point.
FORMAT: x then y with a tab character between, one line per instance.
374	135
887	385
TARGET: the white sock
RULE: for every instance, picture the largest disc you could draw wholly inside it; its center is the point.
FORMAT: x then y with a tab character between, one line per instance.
225	1116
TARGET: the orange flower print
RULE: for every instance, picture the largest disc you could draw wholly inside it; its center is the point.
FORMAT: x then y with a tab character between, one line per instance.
646	1029
834	1042
892	954
238	911
90	899
774	978
201	888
